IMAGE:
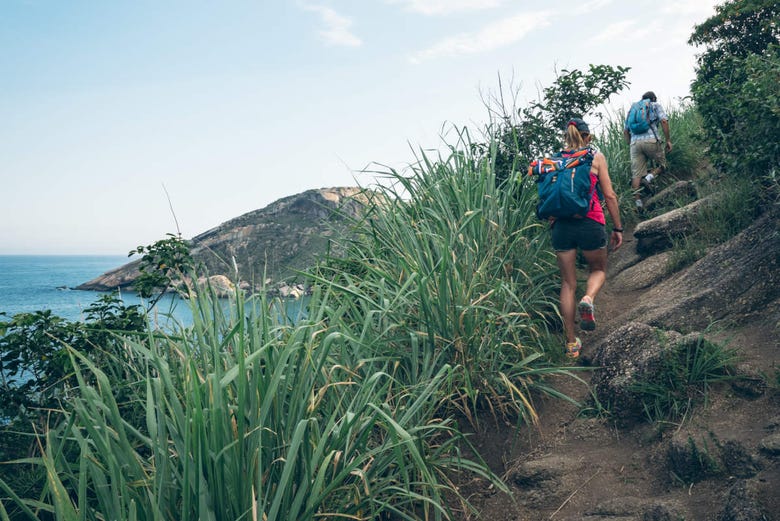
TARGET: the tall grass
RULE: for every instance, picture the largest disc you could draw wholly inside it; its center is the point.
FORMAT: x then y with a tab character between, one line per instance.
686	373
465	269
246	417
444	301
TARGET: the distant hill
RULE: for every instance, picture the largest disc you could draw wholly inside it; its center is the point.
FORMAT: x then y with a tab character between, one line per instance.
269	243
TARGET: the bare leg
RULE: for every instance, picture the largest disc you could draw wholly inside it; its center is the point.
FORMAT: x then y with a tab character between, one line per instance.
635	182
597	265
567	265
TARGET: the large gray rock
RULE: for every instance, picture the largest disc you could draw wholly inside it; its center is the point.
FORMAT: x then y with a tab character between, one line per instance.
627	356
681	192
649	271
734	280
546	481
658	234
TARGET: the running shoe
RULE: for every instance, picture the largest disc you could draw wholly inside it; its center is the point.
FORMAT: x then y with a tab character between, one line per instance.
573	348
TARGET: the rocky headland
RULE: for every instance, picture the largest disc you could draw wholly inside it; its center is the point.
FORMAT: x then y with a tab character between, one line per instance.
267	246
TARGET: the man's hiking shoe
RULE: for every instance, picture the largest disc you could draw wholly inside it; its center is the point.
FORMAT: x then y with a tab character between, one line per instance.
573	348
587	321
647	183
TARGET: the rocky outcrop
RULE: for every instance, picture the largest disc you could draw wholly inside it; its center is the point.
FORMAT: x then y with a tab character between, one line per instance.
657	234
731	282
651	270
221	285
676	195
268	245
118	278
628	356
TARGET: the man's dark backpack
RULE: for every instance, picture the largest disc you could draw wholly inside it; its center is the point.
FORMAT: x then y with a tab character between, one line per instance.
564	184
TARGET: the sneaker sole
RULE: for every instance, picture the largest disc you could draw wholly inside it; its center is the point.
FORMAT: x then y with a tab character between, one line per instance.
587	321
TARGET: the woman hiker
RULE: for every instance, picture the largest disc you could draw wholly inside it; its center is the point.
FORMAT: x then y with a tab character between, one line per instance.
589	235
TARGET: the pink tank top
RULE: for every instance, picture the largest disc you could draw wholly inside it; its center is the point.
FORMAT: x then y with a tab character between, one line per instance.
596	212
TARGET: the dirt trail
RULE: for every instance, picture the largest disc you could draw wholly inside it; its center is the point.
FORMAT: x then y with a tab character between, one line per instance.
580	465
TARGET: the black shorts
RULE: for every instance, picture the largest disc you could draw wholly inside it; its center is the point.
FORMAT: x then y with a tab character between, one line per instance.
586	234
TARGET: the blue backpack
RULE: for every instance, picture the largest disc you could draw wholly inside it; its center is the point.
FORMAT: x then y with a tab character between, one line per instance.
564	184
641	116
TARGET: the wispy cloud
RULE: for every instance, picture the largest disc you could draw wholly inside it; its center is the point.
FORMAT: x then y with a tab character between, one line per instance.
337	27
442	7
627	31
591	5
701	8
617	31
493	36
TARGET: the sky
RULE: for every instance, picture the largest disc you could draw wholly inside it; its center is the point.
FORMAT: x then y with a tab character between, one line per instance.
123	121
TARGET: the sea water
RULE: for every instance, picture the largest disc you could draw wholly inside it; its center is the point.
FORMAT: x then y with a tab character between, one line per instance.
30	283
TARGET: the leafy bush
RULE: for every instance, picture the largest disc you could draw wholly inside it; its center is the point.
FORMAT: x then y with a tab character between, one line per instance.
37	376
689	158
163	263
537	129
35	368
737	85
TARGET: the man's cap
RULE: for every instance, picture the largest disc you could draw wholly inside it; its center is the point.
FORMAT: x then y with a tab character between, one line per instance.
580	124
649	95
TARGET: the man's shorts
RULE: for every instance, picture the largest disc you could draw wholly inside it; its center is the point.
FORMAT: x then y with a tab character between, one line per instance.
586	234
644	150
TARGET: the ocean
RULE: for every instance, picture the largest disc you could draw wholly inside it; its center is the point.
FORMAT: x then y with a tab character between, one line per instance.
37	282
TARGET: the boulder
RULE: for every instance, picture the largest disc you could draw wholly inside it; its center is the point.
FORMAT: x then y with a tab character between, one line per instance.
657	234
677	194
735	280
285	290
771	445
627	356
649	271
692	458
546	481
737	460
222	286
749	382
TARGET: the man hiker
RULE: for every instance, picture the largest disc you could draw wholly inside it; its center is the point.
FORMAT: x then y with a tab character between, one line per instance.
641	132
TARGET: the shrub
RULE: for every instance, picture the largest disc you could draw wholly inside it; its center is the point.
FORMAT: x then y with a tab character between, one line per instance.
737	85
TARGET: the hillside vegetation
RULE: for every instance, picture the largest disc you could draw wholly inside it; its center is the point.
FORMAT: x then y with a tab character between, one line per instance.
436	316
